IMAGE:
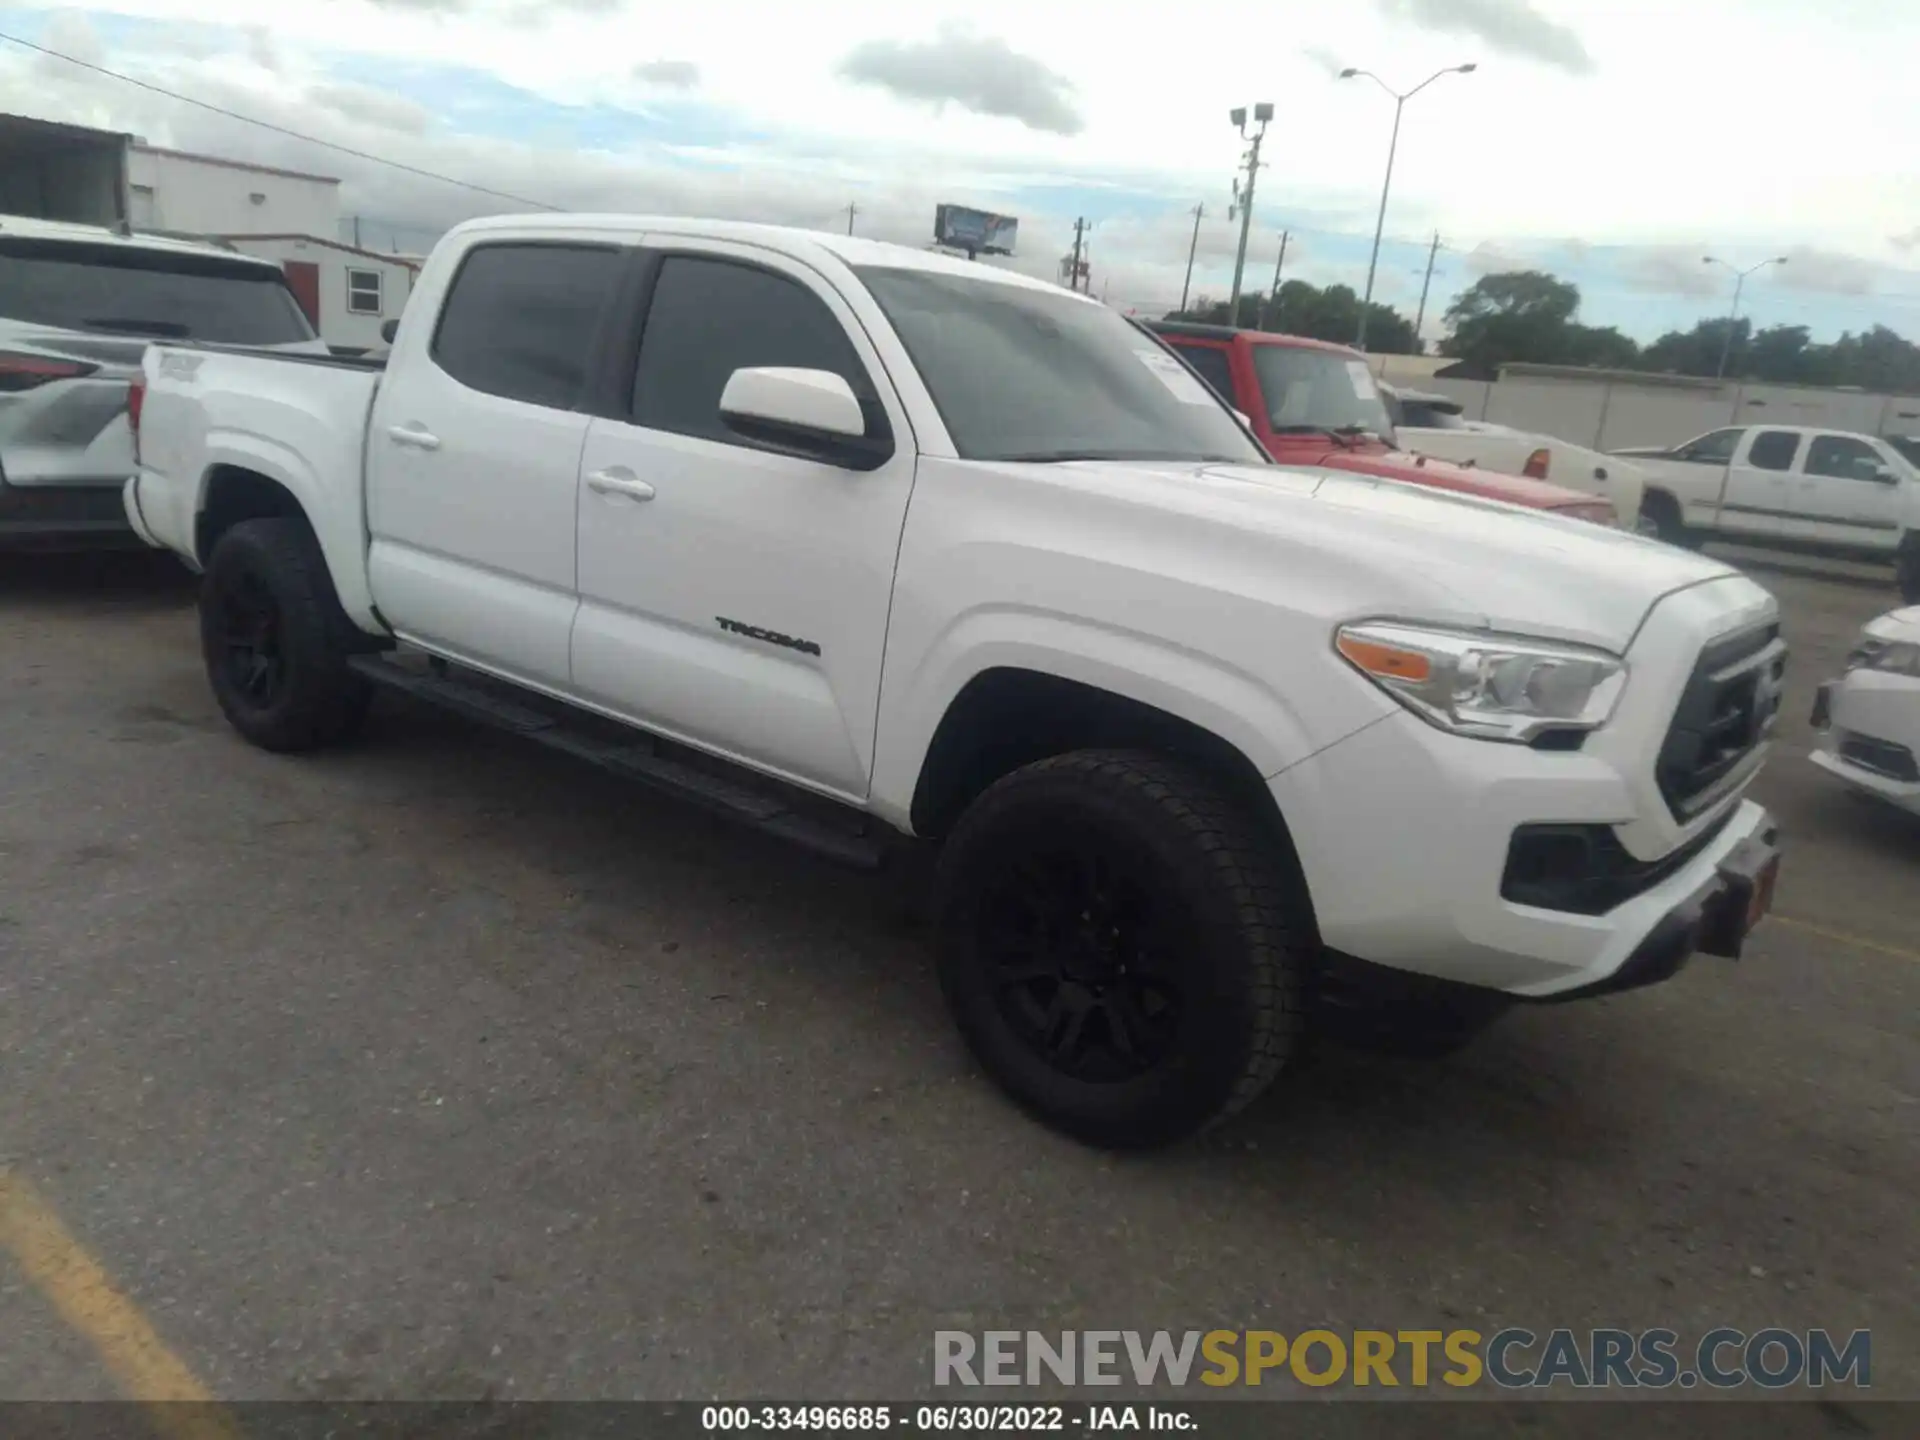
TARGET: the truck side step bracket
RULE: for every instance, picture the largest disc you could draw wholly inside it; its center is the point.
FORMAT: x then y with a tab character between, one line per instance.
634	756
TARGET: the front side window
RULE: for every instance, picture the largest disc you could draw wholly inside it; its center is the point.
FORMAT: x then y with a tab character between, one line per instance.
711	317
1842	457
1025	373
1715	448
1309	390
363	292
520	321
162	294
1773	450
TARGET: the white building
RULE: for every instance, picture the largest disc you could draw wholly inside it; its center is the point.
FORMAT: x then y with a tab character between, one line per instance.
347	292
206	195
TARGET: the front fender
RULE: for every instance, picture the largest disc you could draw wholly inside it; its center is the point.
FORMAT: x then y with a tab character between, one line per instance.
1232	704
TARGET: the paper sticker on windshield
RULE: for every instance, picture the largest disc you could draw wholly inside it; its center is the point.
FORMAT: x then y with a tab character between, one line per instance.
1177	378
1362	379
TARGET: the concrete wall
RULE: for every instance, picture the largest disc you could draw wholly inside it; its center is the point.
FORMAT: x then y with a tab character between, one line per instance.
337	324
200	195
1608	414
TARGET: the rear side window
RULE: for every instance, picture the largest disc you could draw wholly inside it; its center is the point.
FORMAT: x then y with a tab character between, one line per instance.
1773	450
1715	448
521	320
1211	364
124	290
710	318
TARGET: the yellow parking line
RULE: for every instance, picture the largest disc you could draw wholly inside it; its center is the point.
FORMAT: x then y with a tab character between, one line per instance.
1859	942
86	1298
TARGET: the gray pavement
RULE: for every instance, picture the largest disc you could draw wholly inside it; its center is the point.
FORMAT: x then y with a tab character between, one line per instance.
444	1068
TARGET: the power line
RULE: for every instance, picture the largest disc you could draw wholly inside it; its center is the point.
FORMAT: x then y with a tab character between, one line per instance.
279	129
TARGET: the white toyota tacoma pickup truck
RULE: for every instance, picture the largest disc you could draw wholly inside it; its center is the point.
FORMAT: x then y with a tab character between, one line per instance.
863	545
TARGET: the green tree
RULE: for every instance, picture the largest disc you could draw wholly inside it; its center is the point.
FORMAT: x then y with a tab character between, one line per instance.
1331	314
1523	315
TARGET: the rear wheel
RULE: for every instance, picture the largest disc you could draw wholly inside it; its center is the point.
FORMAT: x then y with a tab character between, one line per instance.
1660	517
1121	945
275	640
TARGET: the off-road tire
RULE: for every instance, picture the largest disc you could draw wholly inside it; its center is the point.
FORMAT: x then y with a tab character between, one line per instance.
1226	883
315	700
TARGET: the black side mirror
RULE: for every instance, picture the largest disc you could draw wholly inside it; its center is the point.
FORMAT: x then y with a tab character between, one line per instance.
389	329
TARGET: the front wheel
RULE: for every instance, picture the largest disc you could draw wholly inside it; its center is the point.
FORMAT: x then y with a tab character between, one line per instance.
275	640
1122	947
1908	572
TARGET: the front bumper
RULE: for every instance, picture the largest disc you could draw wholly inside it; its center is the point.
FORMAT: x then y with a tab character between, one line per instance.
1869	724
1405	834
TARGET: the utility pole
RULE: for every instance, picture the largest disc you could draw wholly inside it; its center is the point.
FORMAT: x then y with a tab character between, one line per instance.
1433	253
853	209
1273	300
1193	248
1243	199
1079	233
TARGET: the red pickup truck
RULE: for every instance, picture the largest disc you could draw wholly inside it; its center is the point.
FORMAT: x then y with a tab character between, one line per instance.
1312	403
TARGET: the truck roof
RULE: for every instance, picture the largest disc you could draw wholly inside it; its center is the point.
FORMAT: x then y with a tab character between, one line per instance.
783	239
31	228
1253	337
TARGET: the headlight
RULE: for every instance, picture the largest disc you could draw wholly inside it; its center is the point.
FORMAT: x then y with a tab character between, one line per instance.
1493	687
1896	657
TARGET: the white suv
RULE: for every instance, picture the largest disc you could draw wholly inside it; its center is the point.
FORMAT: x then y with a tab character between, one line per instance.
78	307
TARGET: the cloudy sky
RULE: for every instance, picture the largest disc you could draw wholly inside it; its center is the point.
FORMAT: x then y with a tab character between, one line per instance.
1611	141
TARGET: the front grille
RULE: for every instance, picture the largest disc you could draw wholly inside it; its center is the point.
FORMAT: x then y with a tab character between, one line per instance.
1724	716
1883	757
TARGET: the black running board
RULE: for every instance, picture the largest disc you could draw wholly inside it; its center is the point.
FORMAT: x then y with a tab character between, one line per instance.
635	756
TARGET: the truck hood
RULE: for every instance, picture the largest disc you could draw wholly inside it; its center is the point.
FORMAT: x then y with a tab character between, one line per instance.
1444	475
1460	559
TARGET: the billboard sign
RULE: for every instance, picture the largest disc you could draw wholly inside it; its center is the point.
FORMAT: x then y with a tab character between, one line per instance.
975	231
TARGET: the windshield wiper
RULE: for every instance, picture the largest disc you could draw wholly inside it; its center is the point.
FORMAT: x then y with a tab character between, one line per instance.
1346	437
171	329
1061	457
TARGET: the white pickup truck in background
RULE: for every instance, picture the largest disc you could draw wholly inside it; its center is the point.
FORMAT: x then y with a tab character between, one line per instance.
1789	486
863	545
1436	425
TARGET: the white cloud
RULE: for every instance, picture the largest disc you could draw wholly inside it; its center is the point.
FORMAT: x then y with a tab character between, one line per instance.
980	73
668	74
1511	27
377	108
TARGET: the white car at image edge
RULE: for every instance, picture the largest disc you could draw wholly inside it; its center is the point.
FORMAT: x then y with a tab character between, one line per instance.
1870	717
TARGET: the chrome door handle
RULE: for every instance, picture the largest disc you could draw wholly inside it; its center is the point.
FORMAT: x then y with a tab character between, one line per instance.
414	436
609	482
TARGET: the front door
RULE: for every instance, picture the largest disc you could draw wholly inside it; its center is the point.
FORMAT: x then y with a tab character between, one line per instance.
732	596
473	457
1846	496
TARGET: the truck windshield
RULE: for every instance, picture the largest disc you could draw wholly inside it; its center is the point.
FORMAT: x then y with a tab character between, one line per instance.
124	290
1323	390
1020	373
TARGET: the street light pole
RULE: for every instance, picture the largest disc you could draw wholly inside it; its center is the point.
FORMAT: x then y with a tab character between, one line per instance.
1733	315
1380	224
1243	199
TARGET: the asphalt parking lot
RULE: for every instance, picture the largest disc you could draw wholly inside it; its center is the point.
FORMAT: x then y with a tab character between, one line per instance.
443	1068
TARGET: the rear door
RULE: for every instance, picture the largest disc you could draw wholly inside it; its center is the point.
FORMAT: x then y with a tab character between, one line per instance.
75	318
1842	496
733	596
473	454
1759	495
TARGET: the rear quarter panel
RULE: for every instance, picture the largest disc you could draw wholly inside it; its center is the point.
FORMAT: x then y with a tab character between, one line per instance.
302	426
